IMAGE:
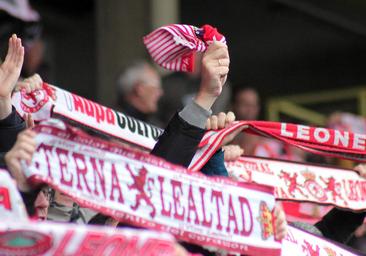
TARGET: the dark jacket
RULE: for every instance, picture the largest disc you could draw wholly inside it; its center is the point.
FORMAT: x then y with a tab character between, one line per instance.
10	127
179	142
339	224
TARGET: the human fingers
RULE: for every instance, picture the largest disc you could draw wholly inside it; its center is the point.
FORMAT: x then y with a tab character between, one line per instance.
221	118
232	152
215	45
221	54
214	122
19	54
29	121
26	134
16	49
34	82
223	62
280	223
208	124
222	71
22	85
9	54
361	169
230	117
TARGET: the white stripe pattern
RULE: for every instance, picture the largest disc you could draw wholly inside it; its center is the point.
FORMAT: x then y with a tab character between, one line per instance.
173	46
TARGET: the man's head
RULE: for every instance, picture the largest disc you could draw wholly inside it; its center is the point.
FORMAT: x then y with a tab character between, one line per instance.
140	86
246	105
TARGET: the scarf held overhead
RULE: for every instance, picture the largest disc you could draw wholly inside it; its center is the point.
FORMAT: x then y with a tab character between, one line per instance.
322	141
53	101
173	47
149	192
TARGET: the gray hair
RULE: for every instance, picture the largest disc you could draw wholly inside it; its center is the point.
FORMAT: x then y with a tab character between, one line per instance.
133	74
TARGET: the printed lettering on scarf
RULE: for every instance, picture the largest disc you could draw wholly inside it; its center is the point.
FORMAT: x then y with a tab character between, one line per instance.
149	192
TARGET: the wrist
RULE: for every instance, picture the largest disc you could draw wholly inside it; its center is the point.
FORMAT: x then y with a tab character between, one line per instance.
205	100
5	107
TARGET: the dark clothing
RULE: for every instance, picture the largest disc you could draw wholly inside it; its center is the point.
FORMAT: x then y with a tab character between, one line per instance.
339	224
130	110
215	166
9	129
179	142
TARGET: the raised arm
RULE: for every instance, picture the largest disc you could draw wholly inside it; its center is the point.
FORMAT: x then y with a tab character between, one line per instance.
185	130
9	74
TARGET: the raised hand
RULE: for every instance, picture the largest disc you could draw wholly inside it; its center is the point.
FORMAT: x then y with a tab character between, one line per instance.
215	68
9	74
11	67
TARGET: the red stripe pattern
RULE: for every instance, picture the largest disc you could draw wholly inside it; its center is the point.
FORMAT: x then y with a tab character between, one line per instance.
173	47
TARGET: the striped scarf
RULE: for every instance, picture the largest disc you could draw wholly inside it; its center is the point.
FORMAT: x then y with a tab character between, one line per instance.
173	47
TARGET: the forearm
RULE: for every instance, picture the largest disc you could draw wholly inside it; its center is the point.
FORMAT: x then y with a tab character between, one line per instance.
195	114
205	100
180	139
5	107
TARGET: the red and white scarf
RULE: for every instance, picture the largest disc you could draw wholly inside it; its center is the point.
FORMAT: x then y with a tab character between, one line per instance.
149	192
299	242
317	140
49	238
303	182
52	101
11	203
173	47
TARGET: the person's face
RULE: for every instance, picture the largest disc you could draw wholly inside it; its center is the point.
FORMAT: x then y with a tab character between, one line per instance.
150	91
42	203
246	105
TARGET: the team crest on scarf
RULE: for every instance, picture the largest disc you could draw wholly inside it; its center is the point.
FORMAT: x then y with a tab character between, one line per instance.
24	242
34	101
314	188
266	219
139	181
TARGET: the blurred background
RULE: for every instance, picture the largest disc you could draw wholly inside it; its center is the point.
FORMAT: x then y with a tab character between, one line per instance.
278	47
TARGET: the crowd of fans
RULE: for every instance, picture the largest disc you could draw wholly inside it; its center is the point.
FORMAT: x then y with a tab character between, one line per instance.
140	88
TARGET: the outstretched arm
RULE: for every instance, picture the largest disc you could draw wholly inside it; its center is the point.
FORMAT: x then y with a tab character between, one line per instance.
186	129
9	74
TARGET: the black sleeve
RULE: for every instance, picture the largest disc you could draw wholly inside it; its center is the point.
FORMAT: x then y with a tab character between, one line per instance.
29	198
339	224
179	142
9	129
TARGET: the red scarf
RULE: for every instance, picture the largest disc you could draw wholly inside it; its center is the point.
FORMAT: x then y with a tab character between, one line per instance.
173	47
